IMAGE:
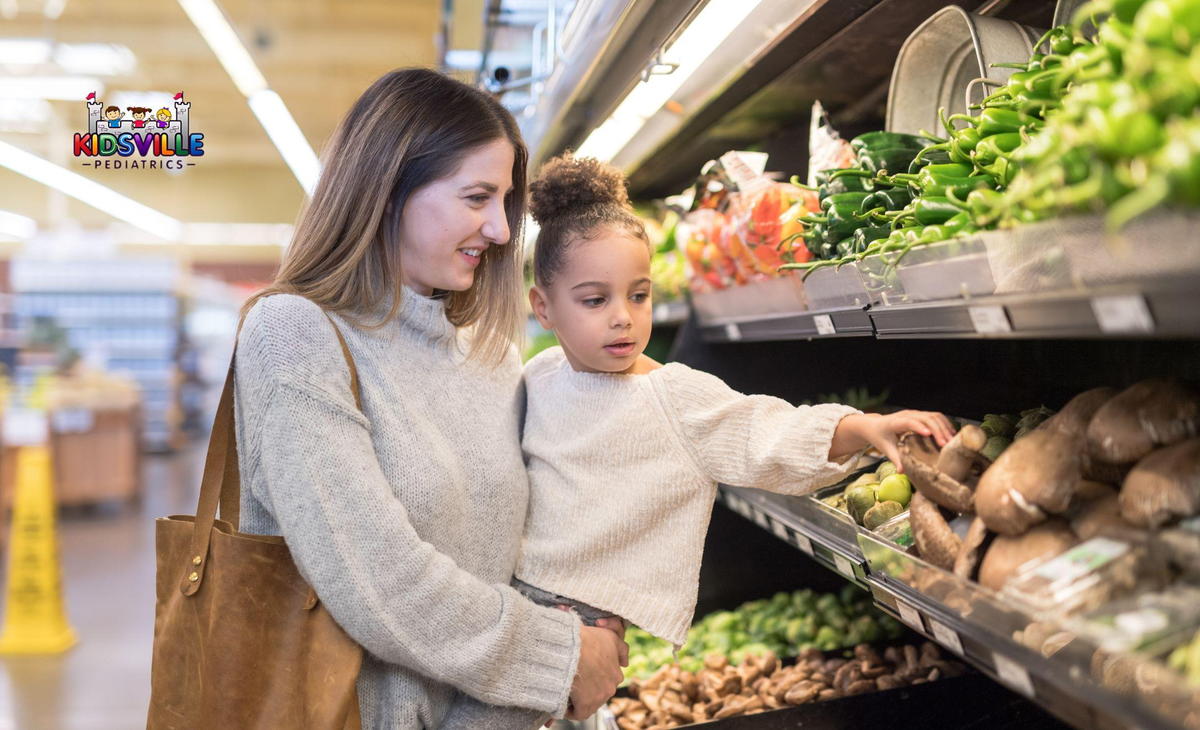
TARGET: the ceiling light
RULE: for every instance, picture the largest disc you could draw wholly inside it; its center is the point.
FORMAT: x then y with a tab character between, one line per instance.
106	59
55	88
24	115
88	191
17	226
287	137
696	43
25	51
224	42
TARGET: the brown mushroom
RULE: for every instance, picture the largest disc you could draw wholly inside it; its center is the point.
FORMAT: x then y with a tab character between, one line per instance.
934	539
1144	416
1077	414
1098	512
966	563
1163	486
919	455
962	454
1037	474
1007	554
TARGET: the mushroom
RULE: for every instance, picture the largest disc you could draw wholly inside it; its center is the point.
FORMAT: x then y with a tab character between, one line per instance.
920	456
1078	413
932	535
1163	486
1144	416
967	561
1099	514
1007	554
958	457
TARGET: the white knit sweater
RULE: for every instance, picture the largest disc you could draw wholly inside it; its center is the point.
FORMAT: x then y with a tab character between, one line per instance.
623	471
406	517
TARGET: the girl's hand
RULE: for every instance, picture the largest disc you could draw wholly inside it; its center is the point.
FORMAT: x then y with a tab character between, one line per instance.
883	432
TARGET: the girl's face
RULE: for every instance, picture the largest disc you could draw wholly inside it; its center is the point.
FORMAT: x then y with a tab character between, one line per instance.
599	303
447	226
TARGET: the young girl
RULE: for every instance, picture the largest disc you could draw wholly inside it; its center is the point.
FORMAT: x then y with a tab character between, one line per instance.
624	455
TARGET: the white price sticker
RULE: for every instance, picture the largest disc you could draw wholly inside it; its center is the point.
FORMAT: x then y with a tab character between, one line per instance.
910	615
733	332
779	529
824	324
844	566
990	320
762	520
803	542
1013	674
946	636
1122	313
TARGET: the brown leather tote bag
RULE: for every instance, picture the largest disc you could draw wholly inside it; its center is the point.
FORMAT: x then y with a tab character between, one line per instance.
240	639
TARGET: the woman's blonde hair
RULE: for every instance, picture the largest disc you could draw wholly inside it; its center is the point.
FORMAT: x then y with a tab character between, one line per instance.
410	128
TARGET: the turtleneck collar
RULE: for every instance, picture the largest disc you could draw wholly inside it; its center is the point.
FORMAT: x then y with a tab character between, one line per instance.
420	319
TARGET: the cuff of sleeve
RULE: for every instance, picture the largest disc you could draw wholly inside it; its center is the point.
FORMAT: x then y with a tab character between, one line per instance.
552	658
828	416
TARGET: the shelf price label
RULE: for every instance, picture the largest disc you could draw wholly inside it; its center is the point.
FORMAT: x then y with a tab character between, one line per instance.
1124	313
946	636
824	324
1013	674
733	332
762	520
803	543
843	565
779	529
910	615
990	319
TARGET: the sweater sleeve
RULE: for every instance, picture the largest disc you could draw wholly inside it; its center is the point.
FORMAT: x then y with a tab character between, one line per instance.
351	538
751	440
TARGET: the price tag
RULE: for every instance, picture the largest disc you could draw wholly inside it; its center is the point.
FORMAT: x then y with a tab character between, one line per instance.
910	615
762	520
779	529
733	332
990	320
1123	313
1013	674
803	542
824	324
946	636
844	566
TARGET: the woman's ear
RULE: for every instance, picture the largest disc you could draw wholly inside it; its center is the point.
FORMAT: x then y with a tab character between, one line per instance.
539	303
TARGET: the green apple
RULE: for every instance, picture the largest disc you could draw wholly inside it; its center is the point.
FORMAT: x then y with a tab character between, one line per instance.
895	488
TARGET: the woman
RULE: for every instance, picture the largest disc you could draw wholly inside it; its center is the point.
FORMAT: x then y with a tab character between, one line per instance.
405	517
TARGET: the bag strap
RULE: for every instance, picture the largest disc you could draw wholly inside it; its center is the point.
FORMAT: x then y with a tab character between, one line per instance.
221	482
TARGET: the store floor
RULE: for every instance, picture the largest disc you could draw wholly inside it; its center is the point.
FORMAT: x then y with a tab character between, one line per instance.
103	683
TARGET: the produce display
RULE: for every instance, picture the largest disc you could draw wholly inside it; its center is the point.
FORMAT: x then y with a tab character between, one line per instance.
1185	659
785	624
676	697
875	497
1102	123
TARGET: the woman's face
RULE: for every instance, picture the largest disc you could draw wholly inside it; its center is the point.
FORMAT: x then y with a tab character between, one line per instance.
447	226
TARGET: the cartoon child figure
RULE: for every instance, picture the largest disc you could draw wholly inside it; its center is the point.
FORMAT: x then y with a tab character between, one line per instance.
113	115
164	116
139	116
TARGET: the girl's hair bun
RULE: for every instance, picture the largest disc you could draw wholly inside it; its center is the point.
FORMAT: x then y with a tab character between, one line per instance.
568	185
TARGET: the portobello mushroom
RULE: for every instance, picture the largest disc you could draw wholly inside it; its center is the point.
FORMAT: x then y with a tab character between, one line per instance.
1144	416
934	539
920	457
962	454
1097	512
1078	413
966	563
1163	486
1007	553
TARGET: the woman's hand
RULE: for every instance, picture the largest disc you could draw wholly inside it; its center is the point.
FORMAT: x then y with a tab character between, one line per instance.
883	432
599	671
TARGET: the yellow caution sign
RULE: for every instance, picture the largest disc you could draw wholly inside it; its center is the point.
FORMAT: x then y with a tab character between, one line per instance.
34	619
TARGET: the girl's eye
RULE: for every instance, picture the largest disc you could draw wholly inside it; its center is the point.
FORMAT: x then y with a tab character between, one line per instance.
640	297
593	301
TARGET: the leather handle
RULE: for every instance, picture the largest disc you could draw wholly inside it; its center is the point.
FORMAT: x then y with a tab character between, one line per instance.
221	482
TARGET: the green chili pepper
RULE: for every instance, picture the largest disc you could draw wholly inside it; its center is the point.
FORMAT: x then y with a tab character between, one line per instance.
892	199
989	148
886	158
843	199
882	140
931	210
863	237
995	121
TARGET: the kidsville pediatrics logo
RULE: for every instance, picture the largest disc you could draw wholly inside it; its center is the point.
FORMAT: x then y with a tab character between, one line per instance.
160	139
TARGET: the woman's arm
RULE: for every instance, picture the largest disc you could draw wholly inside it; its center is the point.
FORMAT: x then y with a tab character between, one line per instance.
395	594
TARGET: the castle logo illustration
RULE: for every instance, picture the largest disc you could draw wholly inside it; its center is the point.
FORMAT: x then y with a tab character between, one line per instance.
160	139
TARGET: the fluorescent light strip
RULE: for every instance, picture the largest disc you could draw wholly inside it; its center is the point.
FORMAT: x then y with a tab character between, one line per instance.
715	23
267	105
55	88
224	42
88	191
288	139
17	226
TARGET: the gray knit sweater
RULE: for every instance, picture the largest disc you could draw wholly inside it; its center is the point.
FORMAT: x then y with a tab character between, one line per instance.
406	517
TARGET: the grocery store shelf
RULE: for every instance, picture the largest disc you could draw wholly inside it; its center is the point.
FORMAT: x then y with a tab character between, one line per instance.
671	314
845	322
981	628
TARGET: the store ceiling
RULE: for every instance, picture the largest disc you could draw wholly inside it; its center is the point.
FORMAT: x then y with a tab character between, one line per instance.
318	55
